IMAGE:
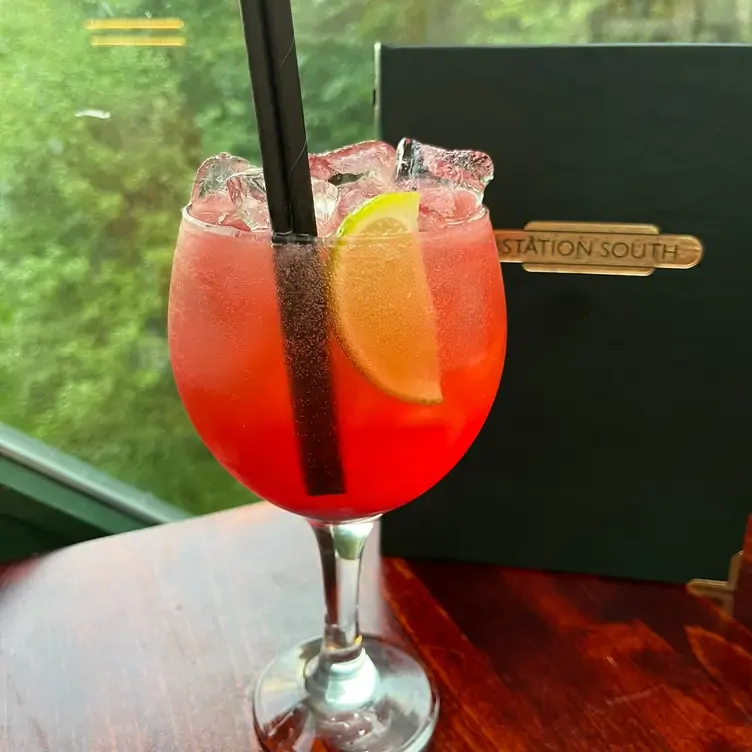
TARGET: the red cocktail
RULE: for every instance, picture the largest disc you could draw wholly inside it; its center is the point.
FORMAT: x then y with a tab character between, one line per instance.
228	358
415	342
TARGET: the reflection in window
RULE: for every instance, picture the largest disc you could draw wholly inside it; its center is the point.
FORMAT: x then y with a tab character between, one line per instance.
98	145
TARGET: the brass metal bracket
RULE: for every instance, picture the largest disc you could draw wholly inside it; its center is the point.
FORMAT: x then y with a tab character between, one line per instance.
721	591
596	248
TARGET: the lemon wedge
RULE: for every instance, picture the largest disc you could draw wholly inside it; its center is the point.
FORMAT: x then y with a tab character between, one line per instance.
382	308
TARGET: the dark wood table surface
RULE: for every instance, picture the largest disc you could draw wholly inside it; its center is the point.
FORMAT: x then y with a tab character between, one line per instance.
146	642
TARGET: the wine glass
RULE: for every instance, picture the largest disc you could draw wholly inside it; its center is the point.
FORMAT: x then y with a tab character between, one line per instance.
414	344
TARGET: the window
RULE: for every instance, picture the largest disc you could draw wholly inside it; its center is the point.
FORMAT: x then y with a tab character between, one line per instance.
98	145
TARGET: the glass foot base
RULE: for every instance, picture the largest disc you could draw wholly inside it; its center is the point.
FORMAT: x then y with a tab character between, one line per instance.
390	706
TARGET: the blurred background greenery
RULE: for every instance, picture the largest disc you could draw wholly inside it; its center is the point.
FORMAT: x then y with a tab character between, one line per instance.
98	147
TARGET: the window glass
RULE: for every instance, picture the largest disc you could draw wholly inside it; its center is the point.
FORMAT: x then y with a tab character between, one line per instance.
101	131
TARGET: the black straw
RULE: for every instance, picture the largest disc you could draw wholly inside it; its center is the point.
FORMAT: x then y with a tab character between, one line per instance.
265	104
301	289
286	84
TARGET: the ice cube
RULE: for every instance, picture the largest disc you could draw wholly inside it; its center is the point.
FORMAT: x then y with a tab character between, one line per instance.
247	192
325	197
372	159
430	219
441	199
410	164
357	173
451	182
438	194
210	198
351	196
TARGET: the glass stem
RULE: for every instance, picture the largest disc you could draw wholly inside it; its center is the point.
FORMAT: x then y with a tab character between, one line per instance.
342	676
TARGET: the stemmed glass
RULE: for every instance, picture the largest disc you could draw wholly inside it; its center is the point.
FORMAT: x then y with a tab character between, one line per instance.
409	397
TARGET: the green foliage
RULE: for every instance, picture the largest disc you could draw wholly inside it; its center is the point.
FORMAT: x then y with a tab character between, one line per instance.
89	207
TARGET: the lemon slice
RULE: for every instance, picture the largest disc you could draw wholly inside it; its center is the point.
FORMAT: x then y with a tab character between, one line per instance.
382	308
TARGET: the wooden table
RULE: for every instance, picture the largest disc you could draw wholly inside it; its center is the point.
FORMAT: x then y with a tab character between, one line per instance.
742	608
146	642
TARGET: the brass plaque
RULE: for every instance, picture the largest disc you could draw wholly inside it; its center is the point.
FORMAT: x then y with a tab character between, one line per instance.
596	248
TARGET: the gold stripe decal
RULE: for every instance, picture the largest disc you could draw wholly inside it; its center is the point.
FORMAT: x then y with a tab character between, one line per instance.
136	41
128	24
118	32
